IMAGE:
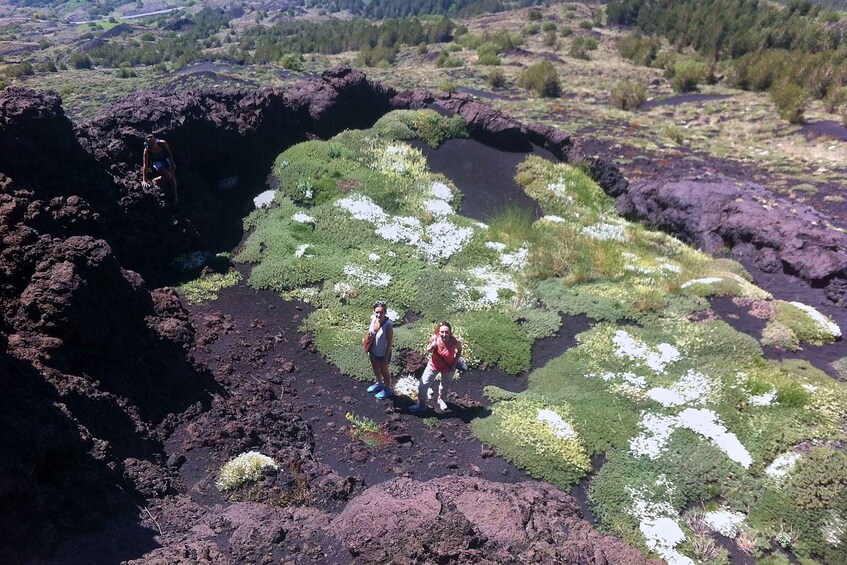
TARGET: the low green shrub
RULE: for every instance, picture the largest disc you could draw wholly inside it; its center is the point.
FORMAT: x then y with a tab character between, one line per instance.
549	26
208	286
688	75
542	78
628	94
639	49
809	326
780	336
581	45
531	29
496	79
495	339
539	435
488	59
538	323
791	101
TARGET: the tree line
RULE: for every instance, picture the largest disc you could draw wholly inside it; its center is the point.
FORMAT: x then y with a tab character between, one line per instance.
797	51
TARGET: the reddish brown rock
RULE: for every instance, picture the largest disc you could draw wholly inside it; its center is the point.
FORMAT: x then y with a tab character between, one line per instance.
470	520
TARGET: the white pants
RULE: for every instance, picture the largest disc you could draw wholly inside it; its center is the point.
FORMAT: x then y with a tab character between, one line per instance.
428	382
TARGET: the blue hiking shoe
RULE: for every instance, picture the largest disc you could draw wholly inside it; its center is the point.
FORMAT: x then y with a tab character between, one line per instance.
384	393
418	407
376	387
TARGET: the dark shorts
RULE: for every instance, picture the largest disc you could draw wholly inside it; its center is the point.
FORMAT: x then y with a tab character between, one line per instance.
381	360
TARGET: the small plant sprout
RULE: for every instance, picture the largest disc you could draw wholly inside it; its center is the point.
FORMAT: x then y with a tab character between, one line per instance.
245	468
367	431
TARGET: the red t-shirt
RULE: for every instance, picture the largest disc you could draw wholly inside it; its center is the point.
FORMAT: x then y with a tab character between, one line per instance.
444	358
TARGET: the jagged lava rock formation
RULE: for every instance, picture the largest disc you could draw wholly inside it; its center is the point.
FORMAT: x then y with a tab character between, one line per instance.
97	368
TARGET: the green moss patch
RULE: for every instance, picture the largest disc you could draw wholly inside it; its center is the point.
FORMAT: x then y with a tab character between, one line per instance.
207	286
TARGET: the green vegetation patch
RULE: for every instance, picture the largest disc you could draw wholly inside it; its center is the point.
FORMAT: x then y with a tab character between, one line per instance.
207	286
537	434
806	323
360	218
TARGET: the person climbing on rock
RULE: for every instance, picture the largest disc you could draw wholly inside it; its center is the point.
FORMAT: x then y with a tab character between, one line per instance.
445	351
159	161
378	343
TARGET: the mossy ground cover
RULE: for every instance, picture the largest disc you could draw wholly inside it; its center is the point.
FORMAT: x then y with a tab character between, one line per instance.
686	412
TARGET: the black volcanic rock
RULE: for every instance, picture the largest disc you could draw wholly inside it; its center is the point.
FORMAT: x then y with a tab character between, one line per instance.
719	212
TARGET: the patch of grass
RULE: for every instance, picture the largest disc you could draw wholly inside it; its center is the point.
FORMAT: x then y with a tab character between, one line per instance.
207	286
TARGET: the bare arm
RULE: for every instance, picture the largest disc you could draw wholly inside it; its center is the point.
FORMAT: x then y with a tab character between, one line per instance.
144	168
171	155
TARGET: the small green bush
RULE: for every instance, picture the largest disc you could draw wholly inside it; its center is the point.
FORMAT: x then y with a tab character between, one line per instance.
488	59
688	75
80	61
780	336
550	40
542	78
628	94
581	45
496	79
534	15
292	62
639	49
586	24
548	26
531	29
791	101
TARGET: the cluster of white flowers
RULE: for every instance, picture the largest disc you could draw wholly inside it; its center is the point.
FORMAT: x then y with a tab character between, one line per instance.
706	280
441	191
374	257
725	521
552	219
397	159
692	388
301	250
496	246
490	283
265	199
781	466
303	218
657	430
658	524
560	189
392	315
246	467
604	232
438	241
833	528
828	325
657	358
438	207
558	427
515	260
372	278
764	399
344	289
407	385
627	377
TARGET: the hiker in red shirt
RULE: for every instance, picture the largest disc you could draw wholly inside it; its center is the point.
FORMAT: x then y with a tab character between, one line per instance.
445	352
